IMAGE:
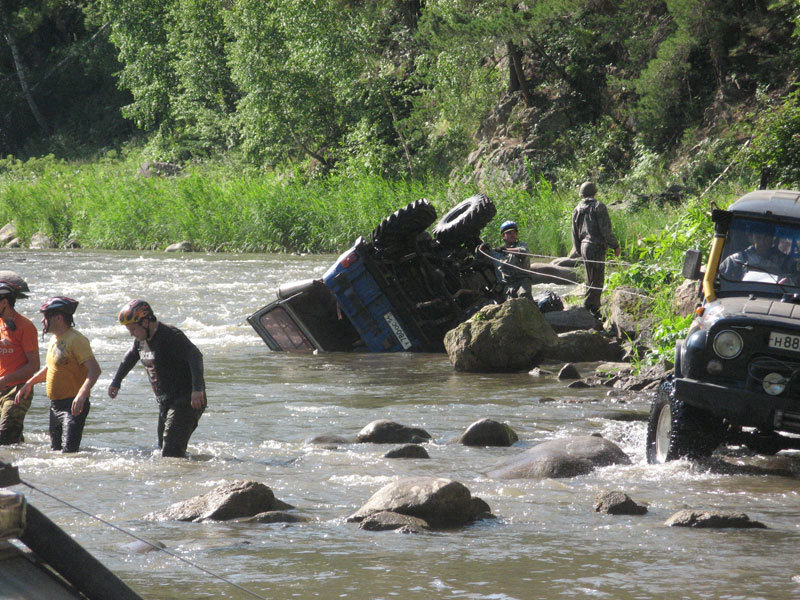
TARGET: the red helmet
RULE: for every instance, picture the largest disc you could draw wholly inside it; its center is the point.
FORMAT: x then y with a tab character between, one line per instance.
136	310
59	304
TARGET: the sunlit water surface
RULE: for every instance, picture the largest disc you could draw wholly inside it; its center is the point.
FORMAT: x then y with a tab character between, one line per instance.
547	541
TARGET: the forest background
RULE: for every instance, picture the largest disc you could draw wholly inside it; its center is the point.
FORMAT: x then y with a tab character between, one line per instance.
296	125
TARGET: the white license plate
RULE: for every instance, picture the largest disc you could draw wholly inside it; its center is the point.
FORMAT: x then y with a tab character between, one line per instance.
784	341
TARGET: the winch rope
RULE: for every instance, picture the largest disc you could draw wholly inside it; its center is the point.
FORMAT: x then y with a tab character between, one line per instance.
136	537
567	281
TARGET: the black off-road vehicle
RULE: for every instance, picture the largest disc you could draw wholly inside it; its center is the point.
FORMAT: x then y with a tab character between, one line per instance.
737	373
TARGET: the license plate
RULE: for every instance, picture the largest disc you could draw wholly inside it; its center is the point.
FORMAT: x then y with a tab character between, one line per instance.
784	341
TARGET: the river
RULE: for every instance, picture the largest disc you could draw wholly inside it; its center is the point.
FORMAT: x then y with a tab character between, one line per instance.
547	541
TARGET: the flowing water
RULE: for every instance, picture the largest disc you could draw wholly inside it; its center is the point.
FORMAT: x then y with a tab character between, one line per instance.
547	541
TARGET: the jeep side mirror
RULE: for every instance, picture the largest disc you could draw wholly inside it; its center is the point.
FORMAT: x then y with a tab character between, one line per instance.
691	264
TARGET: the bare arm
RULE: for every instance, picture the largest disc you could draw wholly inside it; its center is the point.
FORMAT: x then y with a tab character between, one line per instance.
25	390
91	378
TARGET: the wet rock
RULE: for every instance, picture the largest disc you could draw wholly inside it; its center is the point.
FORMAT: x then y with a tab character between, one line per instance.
565	457
15	243
569	371
538	372
618	503
8	233
575	318
184	246
648	379
274	516
41	241
438	501
579	385
143	547
328	441
568	262
407	451
686	297
393	521
487	432
507	337
585	346
384	431
228	501
712	519
626	416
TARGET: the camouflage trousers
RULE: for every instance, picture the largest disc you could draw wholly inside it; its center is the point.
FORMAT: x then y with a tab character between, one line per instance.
12	415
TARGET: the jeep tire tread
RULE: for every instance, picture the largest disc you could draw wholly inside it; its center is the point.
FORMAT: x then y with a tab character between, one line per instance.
677	430
464	221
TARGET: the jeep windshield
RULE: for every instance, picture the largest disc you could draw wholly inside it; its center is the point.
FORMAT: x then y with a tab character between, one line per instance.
760	257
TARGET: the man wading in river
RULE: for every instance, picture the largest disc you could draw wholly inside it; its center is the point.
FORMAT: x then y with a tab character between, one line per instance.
592	236
174	366
19	359
71	371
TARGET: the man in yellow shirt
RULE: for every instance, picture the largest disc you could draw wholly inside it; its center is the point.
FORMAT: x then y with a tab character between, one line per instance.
71	371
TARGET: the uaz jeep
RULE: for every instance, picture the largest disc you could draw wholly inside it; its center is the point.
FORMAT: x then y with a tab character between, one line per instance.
737	373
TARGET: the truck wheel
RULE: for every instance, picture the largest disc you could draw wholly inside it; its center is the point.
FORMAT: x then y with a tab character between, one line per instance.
464	221
404	224
676	430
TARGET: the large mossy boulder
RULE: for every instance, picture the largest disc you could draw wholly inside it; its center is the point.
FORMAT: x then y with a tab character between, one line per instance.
512	336
228	501
439	502
565	457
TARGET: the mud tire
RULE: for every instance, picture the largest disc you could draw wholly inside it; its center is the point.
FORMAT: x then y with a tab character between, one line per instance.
677	430
463	222
405	224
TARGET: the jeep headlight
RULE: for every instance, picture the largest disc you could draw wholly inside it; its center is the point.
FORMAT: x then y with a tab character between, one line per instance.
774	383
728	344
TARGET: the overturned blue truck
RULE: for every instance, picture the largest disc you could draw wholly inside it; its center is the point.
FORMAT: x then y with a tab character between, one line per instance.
400	290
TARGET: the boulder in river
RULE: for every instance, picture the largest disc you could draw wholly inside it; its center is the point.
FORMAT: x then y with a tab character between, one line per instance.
563	457
384	431
618	503
511	336
712	519
439	502
585	346
41	241
393	521
228	501
8	233
407	451
488	432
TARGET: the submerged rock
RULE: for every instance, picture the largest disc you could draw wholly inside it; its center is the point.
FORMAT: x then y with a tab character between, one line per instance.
618	503
712	519
228	501
393	521
438	501
407	451
565	457
384	431
487	432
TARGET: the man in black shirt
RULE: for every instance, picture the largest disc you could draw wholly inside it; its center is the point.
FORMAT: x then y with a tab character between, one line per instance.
174	366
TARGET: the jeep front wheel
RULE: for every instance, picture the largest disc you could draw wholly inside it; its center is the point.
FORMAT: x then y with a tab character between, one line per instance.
676	430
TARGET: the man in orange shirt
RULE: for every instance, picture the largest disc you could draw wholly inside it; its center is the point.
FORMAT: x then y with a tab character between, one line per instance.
19	359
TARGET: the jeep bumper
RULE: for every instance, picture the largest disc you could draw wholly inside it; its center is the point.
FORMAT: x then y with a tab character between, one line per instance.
740	406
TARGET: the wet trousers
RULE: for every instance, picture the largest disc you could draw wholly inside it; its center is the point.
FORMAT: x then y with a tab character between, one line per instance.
66	429
594	256
12	415
175	427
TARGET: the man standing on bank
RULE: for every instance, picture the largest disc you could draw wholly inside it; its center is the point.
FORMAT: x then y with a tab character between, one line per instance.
174	366
71	372
19	359
592	236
